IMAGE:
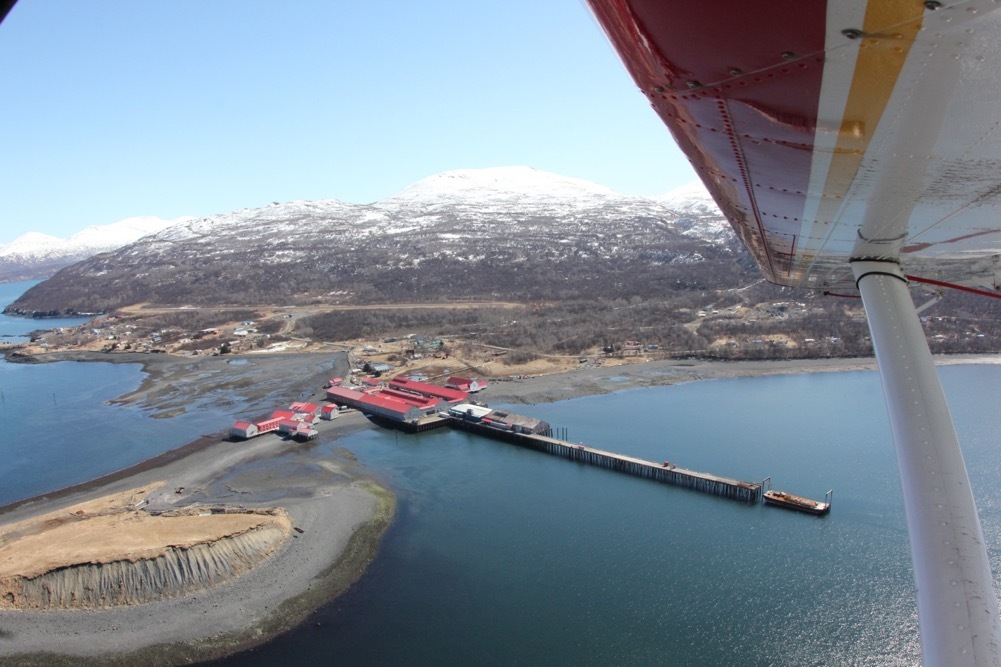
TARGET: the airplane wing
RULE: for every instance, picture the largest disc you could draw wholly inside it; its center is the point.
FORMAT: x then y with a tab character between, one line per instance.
831	130
856	144
5	7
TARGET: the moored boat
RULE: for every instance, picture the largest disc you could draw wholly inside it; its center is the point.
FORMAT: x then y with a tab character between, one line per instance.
799	503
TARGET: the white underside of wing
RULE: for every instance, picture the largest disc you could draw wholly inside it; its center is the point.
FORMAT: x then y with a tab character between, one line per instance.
927	190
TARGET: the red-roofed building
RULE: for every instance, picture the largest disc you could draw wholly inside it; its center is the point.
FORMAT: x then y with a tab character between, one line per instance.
451	396
465	384
391	408
378	404
329	412
422	403
304	408
282	414
344	396
288	426
242	429
305	432
268	425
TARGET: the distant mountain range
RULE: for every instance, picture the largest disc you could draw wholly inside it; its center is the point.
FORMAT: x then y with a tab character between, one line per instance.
35	256
509	232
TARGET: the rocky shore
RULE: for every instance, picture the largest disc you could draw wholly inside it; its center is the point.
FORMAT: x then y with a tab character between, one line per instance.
338	510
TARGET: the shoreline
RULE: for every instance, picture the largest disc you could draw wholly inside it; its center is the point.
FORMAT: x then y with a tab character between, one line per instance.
592	381
342	510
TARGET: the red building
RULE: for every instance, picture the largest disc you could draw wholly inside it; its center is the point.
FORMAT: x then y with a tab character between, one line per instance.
388	403
245	430
271	424
451	396
288	426
465	384
304	408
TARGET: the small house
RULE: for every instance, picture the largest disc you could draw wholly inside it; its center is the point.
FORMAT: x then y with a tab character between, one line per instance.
465	384
288	426
242	429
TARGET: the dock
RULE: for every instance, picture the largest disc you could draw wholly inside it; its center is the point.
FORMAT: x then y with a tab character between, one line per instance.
667	473
537	434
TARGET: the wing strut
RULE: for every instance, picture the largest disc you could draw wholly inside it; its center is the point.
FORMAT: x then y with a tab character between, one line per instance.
957	607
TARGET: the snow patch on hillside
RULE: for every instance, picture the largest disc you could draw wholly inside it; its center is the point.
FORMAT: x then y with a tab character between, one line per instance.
690	197
538	203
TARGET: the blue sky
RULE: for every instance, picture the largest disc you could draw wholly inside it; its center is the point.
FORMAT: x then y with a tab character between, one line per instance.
113	109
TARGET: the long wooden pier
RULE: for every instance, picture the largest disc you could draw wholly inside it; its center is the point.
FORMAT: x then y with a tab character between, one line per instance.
724	487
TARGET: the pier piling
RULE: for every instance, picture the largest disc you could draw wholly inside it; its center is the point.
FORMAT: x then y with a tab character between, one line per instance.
666	473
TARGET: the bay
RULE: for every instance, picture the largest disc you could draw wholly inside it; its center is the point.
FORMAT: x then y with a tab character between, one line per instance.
506	556
17	329
60	428
60	425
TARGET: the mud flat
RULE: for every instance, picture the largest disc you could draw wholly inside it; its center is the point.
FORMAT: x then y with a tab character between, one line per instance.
594	380
174	384
264	378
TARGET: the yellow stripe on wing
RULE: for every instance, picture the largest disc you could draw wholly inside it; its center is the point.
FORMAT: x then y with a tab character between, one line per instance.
889	30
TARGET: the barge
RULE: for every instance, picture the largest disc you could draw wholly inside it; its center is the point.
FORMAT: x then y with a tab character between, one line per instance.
798	503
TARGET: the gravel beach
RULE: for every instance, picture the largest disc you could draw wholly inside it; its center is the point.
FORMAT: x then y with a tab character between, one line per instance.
339	509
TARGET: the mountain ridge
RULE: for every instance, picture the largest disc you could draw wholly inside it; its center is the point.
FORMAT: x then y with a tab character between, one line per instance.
35	255
522	225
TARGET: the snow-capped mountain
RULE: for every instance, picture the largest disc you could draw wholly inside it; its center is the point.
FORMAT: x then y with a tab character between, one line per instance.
700	216
33	255
512	184
514	231
692	197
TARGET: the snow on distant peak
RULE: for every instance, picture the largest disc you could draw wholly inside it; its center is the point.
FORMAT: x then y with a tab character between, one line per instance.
36	247
688	197
30	243
504	182
123	232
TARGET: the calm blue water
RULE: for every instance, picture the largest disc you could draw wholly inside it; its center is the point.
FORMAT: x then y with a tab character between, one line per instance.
506	556
58	428
16	329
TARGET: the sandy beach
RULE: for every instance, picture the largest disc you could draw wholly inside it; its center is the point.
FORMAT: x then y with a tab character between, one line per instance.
339	510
